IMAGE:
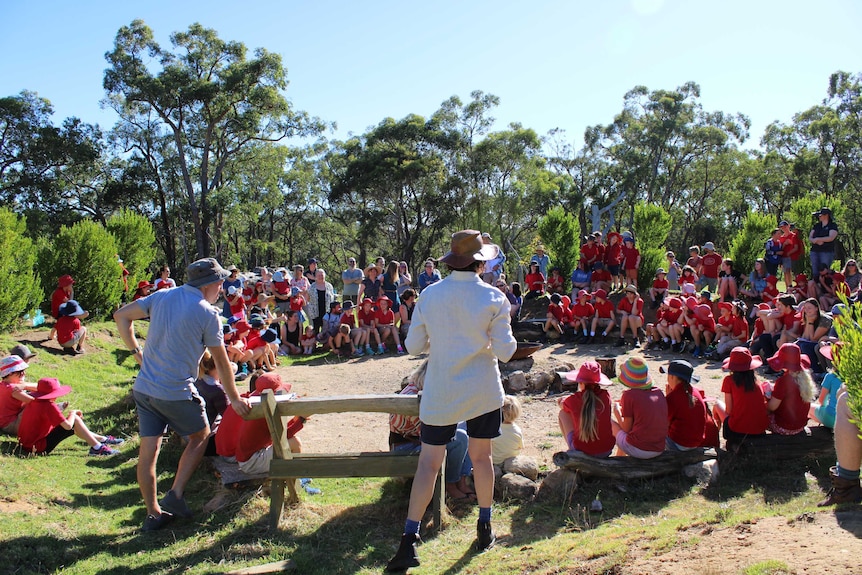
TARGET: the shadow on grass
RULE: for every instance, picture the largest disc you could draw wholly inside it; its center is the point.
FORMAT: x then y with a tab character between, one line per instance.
778	481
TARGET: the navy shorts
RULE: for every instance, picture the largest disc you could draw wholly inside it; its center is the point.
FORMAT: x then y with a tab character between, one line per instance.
485	426
614	270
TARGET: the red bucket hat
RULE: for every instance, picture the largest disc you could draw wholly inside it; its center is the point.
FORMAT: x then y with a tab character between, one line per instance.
65	281
49	388
590	373
271	381
740	359
789	357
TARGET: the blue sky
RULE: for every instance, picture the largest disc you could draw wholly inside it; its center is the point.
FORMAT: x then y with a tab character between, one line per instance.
553	64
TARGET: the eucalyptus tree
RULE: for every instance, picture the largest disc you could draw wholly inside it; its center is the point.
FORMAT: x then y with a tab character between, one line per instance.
210	96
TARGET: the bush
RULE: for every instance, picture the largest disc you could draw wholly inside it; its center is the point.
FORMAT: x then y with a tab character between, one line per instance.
21	291
135	244
651	227
849	365
750	242
559	231
87	252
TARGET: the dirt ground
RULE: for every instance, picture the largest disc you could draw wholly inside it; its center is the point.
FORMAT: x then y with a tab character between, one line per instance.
821	543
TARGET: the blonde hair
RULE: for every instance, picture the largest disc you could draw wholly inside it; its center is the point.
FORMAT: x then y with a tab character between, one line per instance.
207	364
805	384
511	409
588	428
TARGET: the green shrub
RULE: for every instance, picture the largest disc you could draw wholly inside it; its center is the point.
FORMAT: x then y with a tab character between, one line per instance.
21	291
849	366
651	227
135	244
750	242
559	231
87	252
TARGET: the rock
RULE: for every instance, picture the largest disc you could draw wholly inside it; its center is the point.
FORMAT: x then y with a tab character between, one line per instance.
540	381
558	484
525	364
498	473
516	382
513	486
706	472
522	465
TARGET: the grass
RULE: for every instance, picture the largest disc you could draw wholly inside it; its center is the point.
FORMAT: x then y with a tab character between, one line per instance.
73	514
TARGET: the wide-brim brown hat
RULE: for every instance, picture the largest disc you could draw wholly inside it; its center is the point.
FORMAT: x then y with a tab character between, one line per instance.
467	247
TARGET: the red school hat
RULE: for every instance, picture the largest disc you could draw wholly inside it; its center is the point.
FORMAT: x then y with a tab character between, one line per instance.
789	357
65	281
50	388
589	374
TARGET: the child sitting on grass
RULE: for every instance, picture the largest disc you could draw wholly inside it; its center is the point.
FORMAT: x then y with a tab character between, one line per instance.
510	442
585	416
308	341
15	394
43	425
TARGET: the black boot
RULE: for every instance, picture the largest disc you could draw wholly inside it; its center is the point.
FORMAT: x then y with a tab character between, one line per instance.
406	556
485	537
843	490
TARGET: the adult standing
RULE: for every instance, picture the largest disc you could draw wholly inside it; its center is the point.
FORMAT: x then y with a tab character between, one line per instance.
351	278
543	259
320	295
429	275
494	265
462	382
233	280
311	272
822	239
405	280
709	267
164	281
183	323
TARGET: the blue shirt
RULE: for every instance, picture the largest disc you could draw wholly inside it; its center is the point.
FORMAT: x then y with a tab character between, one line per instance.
182	325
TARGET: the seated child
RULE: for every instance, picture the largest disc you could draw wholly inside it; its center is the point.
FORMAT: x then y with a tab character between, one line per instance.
510	442
601	277
659	288
770	292
690	425
15	393
43	425
341	343
331	323
789	401
558	317
823	411
585	416
800	287
254	442
70	333
604	315
385	325
358	337
261	356
731	330
210	389
556	282
640	417
404	435
630	309
367	317
405	311
308	341
743	411
703	329
582	312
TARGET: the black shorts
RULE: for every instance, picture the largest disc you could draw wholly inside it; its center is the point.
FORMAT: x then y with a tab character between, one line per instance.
485	426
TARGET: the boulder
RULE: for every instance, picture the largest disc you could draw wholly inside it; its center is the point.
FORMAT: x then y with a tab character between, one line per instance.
522	465
706	472
516	382
540	381
514	486
525	364
558	484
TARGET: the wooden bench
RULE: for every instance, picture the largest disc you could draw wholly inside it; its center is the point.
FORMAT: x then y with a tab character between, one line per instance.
287	466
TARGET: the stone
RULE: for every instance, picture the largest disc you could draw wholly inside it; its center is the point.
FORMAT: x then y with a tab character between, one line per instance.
705	472
516	382
559	484
522	465
540	381
525	364
513	486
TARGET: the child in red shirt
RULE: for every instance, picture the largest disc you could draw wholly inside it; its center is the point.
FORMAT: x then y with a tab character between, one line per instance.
556	282
43	425
789	401
582	314
600	278
558	316
640	417
604	315
743	411
70	333
385	324
631	260
367	317
630	309
613	261
703	329
668	326
236	301
770	292
659	288
690	424
731	329
585	416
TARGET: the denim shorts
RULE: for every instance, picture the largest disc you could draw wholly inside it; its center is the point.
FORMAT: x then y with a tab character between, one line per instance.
186	417
485	426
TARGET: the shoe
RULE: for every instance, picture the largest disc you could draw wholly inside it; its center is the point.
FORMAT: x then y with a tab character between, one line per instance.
843	490
381	349
175	505
400	350
680	348
358	352
154	523
240	376
406	556
368	350
485	537
696	353
104	450
111	440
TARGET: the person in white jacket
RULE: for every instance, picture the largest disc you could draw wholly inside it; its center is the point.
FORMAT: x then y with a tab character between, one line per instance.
464	326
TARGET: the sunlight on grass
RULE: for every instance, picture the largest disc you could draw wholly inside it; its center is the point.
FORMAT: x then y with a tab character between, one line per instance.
770	567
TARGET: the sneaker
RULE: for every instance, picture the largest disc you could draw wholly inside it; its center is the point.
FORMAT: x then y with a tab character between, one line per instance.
381	349
680	348
358	352
485	537
406	556
368	350
400	350
696	353
104	450
111	440
156	522
240	376
175	505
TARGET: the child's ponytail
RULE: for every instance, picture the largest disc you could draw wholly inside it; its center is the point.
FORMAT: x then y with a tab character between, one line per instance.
588	422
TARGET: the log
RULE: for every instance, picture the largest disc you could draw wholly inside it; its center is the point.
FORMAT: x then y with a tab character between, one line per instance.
626	468
812	442
608	365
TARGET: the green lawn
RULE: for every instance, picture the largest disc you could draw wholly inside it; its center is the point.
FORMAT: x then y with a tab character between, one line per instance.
73	514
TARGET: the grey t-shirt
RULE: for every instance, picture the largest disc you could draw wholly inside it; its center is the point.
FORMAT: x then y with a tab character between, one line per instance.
182	325
354	274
